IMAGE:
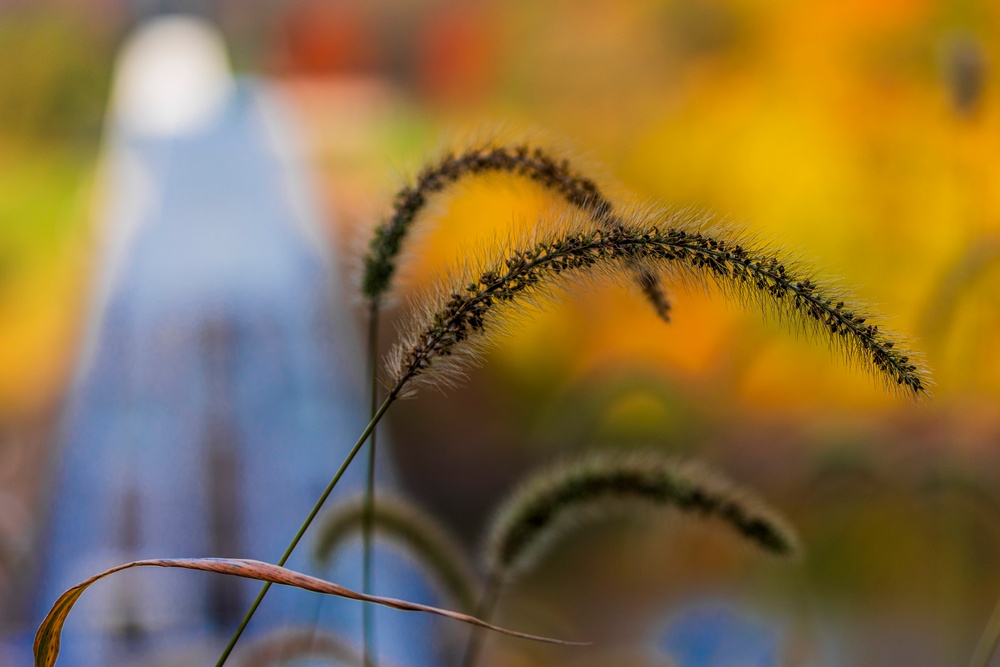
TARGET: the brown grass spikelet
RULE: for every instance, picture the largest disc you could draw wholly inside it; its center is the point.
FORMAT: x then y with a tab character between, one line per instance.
479	299
400	521
534	163
550	503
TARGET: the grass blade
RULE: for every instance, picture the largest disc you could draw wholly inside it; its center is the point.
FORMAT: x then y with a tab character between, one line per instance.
49	633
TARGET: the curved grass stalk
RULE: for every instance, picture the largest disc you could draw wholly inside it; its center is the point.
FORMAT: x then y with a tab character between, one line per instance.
367	567
401	521
534	164
455	323
549	504
481	300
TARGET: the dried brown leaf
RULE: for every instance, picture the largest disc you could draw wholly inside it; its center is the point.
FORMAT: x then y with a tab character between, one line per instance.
49	633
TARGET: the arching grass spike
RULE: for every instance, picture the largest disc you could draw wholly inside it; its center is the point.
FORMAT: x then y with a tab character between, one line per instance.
480	300
402	522
533	163
549	503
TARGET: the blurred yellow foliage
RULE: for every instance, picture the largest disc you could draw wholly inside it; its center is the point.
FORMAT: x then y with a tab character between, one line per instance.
42	202
830	128
39	312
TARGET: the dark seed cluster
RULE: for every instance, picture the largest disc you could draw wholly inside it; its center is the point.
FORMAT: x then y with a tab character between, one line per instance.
555	175
544	504
728	262
767	275
649	282
465	311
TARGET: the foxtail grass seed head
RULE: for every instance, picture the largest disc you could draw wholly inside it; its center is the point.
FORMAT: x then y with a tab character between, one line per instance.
549	504
402	522
482	298
533	163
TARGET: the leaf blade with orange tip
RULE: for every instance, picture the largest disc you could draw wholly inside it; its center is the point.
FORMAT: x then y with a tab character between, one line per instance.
47	639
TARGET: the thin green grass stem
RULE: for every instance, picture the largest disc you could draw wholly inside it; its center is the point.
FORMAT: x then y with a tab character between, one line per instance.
305	526
988	642
367	567
484	610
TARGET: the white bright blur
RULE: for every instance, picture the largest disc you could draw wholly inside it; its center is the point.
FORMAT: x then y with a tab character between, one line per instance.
173	78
